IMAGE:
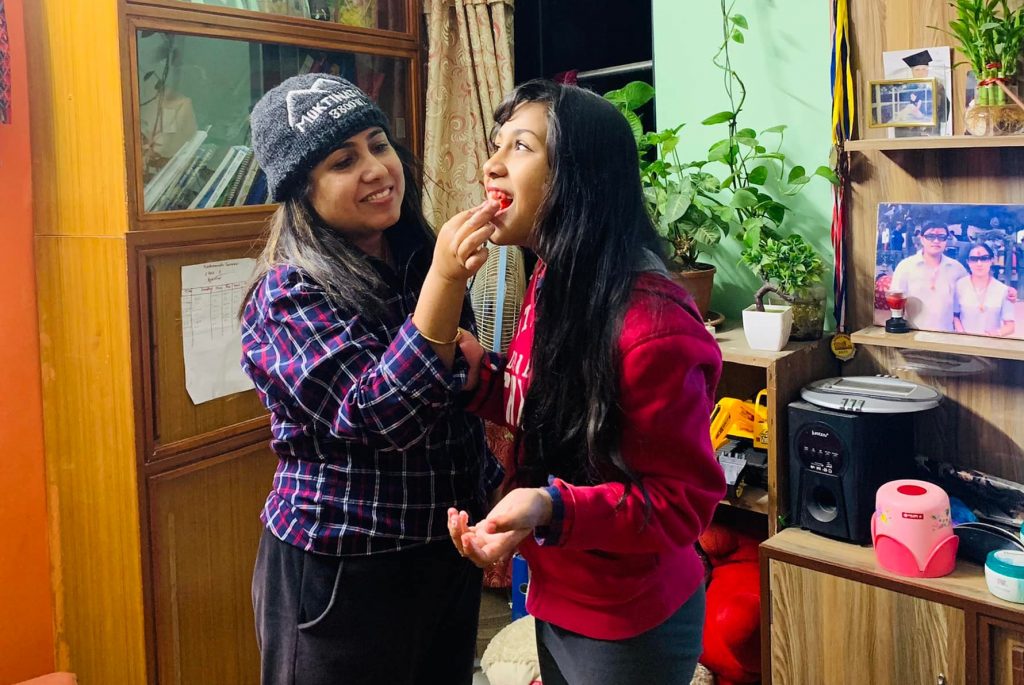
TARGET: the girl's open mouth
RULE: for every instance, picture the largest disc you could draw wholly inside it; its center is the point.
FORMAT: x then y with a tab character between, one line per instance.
502	198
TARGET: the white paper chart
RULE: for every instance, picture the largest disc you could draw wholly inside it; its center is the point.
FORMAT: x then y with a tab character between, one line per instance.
210	296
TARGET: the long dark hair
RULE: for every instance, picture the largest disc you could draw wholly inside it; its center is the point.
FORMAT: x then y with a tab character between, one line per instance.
593	232
296	235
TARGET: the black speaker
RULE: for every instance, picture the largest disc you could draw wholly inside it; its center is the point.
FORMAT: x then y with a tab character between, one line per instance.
837	460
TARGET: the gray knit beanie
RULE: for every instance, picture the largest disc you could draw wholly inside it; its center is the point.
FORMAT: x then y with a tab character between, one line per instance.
301	121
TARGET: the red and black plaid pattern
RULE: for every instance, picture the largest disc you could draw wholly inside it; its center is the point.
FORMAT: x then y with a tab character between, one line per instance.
372	448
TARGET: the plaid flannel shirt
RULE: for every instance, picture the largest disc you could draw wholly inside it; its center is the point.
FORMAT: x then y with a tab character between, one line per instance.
372	449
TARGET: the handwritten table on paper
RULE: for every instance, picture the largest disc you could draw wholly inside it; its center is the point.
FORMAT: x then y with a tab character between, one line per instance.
210	296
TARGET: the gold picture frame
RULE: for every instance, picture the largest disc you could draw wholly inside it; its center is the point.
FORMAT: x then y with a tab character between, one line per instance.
902	103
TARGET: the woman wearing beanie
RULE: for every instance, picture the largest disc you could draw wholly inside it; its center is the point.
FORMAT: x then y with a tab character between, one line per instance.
609	383
356	580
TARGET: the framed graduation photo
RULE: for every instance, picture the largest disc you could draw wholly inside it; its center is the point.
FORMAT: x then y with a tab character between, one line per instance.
915	63
903	103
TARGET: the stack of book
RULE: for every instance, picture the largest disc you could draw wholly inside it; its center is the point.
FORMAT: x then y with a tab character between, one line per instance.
187	181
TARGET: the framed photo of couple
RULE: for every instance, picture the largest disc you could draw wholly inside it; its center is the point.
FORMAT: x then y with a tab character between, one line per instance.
954	268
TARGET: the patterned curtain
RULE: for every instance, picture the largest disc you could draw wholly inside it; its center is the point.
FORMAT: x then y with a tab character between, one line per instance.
469	71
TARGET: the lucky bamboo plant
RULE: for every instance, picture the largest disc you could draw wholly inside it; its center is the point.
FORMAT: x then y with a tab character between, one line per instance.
991	36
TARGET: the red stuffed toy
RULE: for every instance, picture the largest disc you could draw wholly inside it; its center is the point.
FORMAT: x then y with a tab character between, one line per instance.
732	622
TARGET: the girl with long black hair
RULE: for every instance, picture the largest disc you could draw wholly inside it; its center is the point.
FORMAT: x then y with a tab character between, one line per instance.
609	385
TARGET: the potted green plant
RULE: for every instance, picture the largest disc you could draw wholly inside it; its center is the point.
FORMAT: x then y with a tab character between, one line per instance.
792	269
990	36
735	188
680	198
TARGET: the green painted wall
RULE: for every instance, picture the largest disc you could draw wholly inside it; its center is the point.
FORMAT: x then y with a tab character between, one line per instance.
785	66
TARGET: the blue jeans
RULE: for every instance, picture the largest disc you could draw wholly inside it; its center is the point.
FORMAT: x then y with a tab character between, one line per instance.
666	654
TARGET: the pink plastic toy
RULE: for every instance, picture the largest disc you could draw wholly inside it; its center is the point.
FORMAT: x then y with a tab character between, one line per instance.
911	529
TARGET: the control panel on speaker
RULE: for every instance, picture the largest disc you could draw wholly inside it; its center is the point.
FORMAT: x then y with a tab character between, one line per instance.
819	448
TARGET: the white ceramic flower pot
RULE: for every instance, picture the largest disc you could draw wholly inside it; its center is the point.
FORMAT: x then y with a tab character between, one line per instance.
767	330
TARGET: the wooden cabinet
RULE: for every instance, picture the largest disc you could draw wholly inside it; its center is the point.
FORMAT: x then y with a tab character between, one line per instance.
827	629
1002	652
142	166
745	372
831	616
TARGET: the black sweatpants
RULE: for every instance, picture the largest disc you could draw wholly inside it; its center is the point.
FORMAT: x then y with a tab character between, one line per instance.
399	618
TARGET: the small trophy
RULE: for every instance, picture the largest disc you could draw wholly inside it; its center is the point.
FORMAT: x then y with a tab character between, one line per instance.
896	301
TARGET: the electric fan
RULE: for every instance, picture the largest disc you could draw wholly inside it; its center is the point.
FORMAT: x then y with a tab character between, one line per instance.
497	293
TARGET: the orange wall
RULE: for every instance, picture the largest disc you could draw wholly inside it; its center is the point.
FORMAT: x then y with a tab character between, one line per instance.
26	605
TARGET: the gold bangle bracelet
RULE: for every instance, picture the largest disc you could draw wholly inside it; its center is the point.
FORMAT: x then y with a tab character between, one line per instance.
458	334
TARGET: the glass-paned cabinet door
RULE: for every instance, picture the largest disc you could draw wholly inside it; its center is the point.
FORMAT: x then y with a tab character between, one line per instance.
194	97
372	14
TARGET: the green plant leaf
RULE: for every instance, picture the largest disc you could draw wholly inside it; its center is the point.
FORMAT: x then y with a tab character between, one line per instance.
776	212
708	233
725	213
758	175
633	95
737	36
708	183
668	144
775	129
664	228
795	173
754	222
743	198
635	125
740	21
676	205
718	118
751	238
720	151
827	174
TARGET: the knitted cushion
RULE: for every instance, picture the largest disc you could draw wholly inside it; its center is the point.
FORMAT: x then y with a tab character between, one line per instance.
511	656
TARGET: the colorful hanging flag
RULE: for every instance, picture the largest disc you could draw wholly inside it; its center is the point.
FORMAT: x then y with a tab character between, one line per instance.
843	103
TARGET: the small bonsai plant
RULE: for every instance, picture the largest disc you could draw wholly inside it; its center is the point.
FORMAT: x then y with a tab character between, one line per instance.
991	36
786	266
790	268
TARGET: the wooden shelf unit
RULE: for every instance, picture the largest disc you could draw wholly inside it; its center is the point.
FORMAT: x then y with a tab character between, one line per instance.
747	371
951	343
963	588
828	613
951	626
934	143
753	499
